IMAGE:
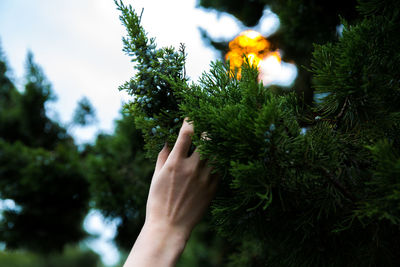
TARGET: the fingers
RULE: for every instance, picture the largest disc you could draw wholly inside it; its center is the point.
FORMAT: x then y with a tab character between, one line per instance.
182	144
195	157
162	157
209	178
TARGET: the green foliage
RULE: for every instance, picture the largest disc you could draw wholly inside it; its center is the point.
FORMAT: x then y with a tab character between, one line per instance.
23	116
7	90
51	191
84	113
70	258
383	189
377	7
323	195
40	169
362	91
204	248
120	177
274	178
156	85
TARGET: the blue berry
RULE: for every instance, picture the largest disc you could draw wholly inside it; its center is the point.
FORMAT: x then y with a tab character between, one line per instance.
272	127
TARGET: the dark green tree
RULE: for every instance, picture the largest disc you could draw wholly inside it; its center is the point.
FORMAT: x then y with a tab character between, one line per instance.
24	114
7	90
70	258
300	185
120	177
40	169
84	113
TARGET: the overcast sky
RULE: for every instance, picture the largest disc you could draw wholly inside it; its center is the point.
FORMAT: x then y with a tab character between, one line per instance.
78	44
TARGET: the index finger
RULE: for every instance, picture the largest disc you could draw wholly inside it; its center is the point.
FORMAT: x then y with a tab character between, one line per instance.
182	144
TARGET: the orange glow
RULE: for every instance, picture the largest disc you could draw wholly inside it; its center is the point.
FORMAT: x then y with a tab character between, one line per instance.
252	45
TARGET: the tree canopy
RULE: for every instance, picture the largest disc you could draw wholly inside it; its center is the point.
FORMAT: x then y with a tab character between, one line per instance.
40	169
302	184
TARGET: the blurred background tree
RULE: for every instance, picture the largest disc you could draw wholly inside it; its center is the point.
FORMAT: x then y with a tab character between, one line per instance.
119	177
40	169
72	257
84	113
42	175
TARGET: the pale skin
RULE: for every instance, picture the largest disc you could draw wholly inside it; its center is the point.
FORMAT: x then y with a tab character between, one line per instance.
181	190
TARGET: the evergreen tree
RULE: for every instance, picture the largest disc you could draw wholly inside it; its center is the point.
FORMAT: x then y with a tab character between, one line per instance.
40	169
70	258
7	90
84	113
120	177
300	185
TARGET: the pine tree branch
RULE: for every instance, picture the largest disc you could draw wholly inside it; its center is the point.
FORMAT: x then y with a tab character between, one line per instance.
343	108
338	185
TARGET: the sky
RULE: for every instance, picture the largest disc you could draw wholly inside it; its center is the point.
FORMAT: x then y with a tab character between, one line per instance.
78	45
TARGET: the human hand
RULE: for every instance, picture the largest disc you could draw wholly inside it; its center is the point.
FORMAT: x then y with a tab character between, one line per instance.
181	190
182	186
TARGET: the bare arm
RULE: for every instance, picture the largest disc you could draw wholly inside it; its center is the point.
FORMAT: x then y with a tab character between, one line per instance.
180	192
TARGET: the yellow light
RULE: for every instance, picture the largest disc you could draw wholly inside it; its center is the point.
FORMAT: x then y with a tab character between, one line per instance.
250	44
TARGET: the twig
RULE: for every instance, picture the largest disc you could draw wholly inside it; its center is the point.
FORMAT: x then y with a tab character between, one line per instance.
338	185
343	108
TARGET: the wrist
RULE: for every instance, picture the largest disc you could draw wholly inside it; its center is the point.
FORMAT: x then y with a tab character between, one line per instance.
157	245
166	227
167	241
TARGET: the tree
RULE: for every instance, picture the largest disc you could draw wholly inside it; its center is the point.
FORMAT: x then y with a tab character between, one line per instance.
40	169
84	113
120	177
26	119
302	185
70	258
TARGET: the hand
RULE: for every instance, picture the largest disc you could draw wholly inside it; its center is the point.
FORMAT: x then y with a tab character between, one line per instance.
182	187
181	190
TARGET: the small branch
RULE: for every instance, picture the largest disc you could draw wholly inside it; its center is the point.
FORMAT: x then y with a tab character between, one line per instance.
182	50
140	17
343	108
338	185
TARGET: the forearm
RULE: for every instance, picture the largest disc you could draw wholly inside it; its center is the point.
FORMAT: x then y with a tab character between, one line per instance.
157	245
180	192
